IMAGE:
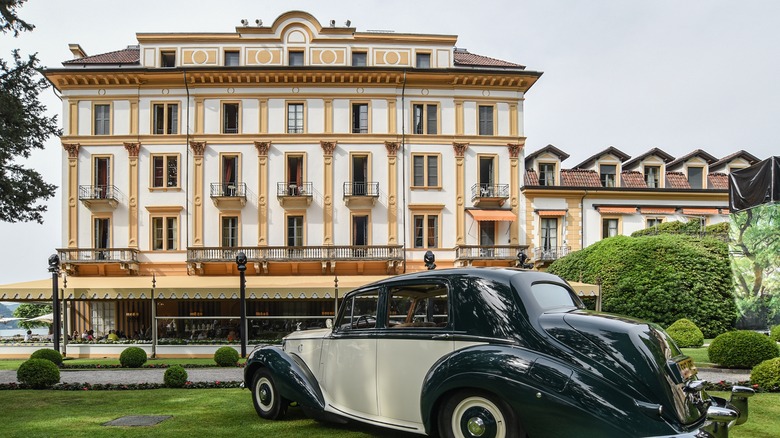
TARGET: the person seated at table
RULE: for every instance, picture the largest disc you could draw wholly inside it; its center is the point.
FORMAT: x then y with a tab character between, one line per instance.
112	336
232	336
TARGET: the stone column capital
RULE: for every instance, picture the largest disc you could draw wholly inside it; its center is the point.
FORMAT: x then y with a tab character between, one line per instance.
262	148
460	149
132	149
72	148
198	147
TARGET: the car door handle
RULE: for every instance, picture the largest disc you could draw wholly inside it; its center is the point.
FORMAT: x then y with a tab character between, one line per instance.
444	336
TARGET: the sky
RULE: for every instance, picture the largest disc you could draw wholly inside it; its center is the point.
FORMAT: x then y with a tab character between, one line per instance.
677	75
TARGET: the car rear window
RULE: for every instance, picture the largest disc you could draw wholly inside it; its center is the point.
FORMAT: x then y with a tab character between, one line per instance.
552	296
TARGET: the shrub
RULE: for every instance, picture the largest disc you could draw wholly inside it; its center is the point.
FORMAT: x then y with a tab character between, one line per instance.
659	278
741	349
226	357
685	333
48	354
774	333
175	377
38	373
132	357
767	374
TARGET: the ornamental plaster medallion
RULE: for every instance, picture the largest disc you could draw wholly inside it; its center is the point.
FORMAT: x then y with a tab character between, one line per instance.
296	90
166	91
263	56
102	92
486	93
200	57
231	90
392	58
360	90
424	92
328	56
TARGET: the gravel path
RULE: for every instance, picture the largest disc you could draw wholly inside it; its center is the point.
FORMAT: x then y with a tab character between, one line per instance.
121	376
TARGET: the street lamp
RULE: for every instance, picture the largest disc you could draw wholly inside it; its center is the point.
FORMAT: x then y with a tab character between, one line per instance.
154	318
54	268
241	264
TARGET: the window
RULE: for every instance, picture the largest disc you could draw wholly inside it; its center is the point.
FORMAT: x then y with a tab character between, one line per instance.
295	118
695	177
359	59
423	60
294	230
230	231
425	172
485	120
295	175
546	174
103	317
296	58
609	228
168	58
653	221
165	171
360	175
230	117
487	176
101	177
164	233
652	176
549	234
360	311
423	305
231	58
101	233
426	230
165	118
360	231
360	118
426	118
608	175
102	119
229	174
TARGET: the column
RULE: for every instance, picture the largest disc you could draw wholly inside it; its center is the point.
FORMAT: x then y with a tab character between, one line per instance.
392	191
327	176
460	198
262	189
132	152
514	190
198	192
73	194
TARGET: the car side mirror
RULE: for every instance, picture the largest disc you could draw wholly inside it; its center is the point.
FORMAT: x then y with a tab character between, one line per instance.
329	323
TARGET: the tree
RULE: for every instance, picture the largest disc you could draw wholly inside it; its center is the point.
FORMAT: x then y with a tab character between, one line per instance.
23	127
31	310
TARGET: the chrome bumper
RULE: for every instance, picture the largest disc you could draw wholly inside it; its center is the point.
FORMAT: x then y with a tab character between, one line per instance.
722	414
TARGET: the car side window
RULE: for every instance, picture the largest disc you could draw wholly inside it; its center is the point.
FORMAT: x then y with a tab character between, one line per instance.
418	305
361	311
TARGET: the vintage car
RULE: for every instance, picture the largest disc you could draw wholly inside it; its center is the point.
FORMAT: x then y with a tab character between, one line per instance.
489	352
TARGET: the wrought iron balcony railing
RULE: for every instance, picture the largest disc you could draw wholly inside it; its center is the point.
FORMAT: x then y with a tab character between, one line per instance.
356	188
495	191
97	255
98	193
488	252
550	254
293	189
297	253
228	190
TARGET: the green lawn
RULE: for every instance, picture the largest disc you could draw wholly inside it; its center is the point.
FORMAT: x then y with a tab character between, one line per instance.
221	412
13	364
699	355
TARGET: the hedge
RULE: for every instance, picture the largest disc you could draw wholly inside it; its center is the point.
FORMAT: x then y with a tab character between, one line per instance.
685	333
226	357
132	357
741	349
38	373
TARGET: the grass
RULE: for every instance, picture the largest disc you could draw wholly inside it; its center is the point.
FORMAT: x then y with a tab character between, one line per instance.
223	412
13	364
699	356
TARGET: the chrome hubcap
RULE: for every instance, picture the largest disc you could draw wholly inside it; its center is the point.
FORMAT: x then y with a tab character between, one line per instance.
476	426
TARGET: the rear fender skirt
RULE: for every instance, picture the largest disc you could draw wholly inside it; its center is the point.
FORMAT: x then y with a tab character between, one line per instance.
292	377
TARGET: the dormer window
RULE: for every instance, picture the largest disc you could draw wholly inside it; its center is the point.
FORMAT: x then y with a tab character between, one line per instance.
608	174
652	176
546	174
167	58
696	177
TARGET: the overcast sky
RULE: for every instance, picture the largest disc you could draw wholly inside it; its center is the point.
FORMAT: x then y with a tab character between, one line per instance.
678	75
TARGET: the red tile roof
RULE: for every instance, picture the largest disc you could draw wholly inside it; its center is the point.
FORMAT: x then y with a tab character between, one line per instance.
697	153
531	178
634	162
632	179
750	158
130	55
718	181
677	180
612	150
580	178
464	58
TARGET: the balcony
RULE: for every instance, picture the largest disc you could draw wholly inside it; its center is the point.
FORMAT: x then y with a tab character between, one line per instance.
228	195
102	197
72	259
489	195
293	194
389	255
361	193
548	255
486	255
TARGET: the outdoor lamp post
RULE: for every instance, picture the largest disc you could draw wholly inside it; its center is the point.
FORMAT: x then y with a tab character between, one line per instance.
154	318
54	268
241	263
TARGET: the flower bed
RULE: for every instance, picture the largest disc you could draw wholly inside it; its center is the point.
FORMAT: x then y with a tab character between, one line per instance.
123	387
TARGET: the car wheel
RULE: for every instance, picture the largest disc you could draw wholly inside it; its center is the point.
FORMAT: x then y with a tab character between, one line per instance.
477	414
268	403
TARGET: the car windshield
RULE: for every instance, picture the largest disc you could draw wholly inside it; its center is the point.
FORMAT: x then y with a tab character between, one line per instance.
551	296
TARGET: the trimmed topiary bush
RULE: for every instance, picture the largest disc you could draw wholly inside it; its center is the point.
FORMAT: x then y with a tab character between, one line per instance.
741	349
48	354
685	333
659	278
132	357
774	333
767	375
175	377
38	373
226	357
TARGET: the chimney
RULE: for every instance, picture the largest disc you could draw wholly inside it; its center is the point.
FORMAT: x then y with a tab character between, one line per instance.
77	51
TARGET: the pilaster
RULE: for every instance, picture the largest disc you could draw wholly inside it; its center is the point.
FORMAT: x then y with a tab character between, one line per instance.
198	147
199	115
514	190
262	189
328	116
133	118
263	116
73	193
392	196
392	123
132	152
73	117
460	197
327	173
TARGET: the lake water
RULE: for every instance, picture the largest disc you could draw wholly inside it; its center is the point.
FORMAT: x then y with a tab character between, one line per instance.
9	333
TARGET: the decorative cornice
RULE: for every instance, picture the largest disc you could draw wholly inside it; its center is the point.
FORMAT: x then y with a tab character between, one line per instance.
514	149
262	148
72	148
460	149
328	147
392	148
132	149
198	147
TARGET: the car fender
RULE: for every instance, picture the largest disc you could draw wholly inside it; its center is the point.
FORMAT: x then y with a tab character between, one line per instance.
293	379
